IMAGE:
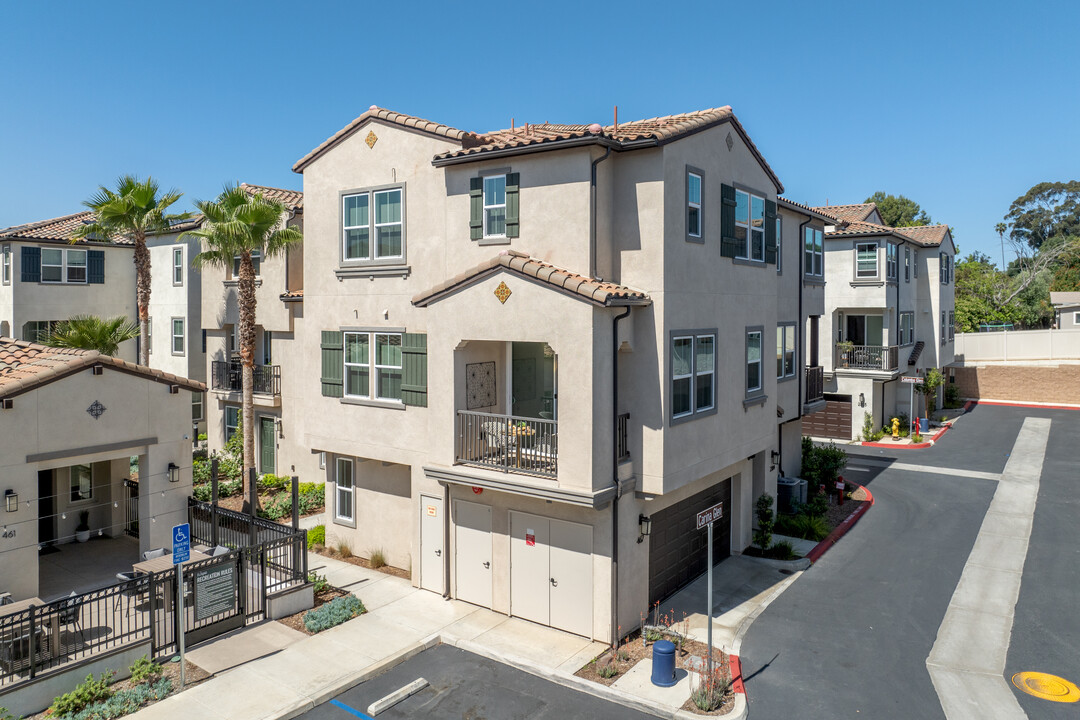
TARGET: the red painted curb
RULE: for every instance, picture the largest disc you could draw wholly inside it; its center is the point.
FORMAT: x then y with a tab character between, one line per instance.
1047	406
842	529
736	674
913	446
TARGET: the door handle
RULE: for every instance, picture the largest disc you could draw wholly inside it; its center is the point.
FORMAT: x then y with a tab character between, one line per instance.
438	553
554	583
487	564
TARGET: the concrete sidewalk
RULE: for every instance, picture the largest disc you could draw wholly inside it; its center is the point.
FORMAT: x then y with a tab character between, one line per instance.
402	621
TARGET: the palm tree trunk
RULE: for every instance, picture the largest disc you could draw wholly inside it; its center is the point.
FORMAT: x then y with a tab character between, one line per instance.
142	296
246	301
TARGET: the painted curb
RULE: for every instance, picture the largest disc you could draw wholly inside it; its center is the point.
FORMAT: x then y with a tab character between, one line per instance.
912	446
1011	403
842	529
736	674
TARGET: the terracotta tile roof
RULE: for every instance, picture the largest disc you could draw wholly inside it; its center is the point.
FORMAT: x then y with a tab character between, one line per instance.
849	213
591	289
805	209
61	229
385	115
292	199
924	235
929	235
292	296
25	366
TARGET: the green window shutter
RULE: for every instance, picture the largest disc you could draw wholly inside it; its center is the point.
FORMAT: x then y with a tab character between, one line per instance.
414	369
770	232
513	181
31	264
476	208
728	246
95	267
333	363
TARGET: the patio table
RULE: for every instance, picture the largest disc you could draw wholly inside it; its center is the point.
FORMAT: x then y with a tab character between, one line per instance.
165	562
23	605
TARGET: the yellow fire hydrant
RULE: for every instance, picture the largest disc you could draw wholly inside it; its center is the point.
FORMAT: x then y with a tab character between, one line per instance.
896	429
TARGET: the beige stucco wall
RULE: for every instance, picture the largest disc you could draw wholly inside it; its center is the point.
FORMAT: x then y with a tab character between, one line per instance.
141	418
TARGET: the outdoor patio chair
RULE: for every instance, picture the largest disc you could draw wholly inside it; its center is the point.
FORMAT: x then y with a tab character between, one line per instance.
130	590
70	613
155	553
15	650
542	452
497	437
5	598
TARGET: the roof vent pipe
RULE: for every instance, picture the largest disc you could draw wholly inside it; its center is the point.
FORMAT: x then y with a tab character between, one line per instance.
616	118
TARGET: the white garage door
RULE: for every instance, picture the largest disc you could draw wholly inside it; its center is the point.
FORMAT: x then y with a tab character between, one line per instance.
551	572
472	552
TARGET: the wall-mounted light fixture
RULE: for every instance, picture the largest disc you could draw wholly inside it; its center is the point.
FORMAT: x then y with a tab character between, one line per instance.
775	456
11	499
174	473
862	400
644	527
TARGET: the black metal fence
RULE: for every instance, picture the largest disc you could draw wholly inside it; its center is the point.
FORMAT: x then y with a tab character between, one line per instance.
508	443
815	383
265	379
131	507
622	437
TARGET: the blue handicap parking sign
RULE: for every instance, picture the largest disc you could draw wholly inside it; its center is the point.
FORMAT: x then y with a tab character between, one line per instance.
181	543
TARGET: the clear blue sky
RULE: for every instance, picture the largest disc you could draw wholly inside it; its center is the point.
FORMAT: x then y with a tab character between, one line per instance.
961	106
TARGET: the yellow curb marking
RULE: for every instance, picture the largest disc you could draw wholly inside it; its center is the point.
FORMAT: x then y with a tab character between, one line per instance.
1046	686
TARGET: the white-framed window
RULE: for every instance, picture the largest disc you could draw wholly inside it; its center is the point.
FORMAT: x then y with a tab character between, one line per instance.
754	380
197	406
373	226
943	337
52	265
1076	318
907	264
178	266
37	331
232	421
693	374
7	264
178	336
915	264
76	266
693	204
149	335
82	483
267	347
373	367
952	324
495	206
256	265
907	328
785	351
779	243
891	261
343	480
813	251
866	260
750	226
322	461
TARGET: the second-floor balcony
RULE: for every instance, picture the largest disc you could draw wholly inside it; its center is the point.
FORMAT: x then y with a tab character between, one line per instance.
815	384
508	443
228	376
884	358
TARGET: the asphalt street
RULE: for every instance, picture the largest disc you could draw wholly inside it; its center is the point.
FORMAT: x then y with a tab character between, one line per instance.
851	638
464	686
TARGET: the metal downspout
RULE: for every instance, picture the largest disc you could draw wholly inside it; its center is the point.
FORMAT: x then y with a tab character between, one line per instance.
592	200
615	477
799	277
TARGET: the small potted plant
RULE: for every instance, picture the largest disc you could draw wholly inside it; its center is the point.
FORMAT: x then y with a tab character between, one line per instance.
82	531
845	347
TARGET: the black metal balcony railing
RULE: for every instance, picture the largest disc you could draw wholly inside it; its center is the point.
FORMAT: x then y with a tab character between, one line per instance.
266	379
868	357
815	383
622	437
508	443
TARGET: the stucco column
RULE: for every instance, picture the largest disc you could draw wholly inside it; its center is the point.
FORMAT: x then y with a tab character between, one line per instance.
19	533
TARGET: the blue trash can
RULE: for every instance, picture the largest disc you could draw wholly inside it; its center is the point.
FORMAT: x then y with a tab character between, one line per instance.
924	426
663	663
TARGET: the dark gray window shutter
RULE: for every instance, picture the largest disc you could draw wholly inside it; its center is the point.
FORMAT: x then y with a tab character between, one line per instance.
770	232
476	208
95	267
31	264
414	369
728	246
513	182
333	363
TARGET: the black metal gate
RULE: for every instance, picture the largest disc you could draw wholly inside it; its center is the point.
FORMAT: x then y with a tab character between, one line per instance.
131	507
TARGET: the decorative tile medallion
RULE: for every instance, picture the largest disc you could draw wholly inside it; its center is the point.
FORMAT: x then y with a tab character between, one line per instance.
96	410
479	385
371	138
730	142
502	292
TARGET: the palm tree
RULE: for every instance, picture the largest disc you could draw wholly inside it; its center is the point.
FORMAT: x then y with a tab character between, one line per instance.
1000	229
89	332
238	225
133	211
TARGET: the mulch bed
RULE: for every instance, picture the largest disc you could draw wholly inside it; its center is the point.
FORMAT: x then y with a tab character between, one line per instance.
296	622
838	513
633	651
362	562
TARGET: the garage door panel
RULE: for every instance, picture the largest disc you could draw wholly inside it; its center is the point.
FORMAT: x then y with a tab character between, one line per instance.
833	421
677	547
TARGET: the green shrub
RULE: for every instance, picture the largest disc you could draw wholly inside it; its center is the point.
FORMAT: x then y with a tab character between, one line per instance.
144	669
809	527
86	693
271	482
952	396
319	581
868	426
782	550
316	536
763	533
333	613
202	437
6	715
607	670
125	702
312	497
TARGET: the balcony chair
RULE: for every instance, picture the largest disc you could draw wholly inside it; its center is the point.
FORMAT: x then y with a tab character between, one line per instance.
15	650
5	598
70	613
131	589
497	438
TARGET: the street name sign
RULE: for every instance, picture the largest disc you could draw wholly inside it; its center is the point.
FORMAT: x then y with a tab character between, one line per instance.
708	517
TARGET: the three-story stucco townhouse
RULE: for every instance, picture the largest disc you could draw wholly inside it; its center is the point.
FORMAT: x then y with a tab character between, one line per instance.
279	299
529	357
45	278
889	313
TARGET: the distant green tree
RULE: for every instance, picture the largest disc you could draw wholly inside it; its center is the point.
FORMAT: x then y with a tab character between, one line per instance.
1067	274
89	332
899	211
1047	210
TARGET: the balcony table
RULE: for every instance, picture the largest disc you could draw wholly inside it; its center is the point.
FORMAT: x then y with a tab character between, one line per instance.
518	431
165	562
24	605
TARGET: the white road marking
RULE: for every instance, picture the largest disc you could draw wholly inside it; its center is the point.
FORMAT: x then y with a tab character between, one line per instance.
932	469
968	658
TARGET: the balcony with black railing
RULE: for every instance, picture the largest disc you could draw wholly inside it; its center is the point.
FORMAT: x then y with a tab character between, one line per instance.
885	358
815	384
508	443
229	377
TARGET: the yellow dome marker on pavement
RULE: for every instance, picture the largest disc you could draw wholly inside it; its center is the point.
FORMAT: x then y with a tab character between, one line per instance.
1046	686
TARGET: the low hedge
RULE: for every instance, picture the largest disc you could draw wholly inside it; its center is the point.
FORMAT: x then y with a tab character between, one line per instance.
333	613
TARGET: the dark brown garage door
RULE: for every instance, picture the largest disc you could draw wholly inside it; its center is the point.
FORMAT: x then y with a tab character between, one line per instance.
677	547
834	421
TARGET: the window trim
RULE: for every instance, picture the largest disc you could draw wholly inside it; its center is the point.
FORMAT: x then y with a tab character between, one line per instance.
816	252
779	243
909	338
44	265
485	235
943	340
694	413
225	420
758	392
907	264
339	519
376	367
173	336
952	325
373	368
782	329
892	261
699	236
749	224
150	335
1076	318
397	261
199	399
71	502
178	266
346	365
235	272
877	260
6	260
